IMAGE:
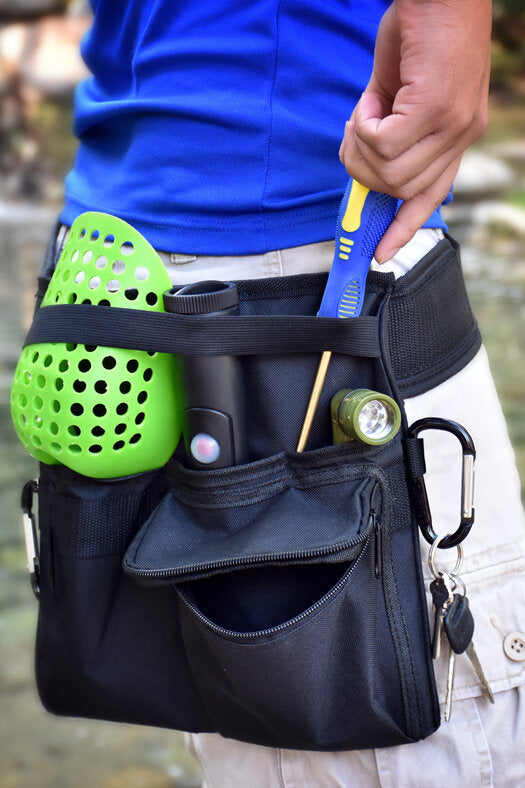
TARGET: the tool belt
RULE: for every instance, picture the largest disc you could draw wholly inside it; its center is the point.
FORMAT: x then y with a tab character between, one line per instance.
279	602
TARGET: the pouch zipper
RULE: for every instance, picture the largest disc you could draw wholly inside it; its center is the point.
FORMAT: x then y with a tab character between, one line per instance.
375	524
279	627
165	574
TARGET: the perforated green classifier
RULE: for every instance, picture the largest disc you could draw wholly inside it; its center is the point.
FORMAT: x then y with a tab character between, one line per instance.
104	412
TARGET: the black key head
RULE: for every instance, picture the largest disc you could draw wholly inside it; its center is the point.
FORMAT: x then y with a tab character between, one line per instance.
440	592
459	624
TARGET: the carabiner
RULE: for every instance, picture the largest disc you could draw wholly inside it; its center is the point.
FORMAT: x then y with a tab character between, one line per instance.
423	514
30	535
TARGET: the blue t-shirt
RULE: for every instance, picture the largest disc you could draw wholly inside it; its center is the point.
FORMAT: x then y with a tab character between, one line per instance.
214	127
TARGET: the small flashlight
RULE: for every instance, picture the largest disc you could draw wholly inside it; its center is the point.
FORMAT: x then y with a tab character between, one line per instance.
364	415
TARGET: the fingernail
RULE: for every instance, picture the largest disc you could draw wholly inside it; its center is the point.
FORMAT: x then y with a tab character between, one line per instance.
386	256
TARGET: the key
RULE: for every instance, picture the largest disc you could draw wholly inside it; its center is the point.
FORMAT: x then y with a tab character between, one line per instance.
458	623
450	683
441	590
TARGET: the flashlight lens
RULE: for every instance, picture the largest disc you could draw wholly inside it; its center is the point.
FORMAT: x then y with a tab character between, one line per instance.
374	419
205	448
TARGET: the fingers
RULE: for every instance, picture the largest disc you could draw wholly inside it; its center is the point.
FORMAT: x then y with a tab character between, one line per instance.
414	212
396	164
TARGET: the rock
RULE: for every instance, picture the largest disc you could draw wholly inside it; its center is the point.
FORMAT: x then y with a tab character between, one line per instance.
501	215
513	150
480	174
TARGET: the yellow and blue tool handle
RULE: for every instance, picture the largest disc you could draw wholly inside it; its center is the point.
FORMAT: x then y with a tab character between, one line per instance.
363	219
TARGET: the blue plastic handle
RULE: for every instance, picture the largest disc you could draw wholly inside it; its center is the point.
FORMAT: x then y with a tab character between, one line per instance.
363	219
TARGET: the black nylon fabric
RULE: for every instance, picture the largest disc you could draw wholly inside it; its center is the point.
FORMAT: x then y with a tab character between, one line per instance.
432	332
296	650
279	602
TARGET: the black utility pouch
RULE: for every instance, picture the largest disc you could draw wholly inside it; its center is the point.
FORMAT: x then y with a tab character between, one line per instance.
278	602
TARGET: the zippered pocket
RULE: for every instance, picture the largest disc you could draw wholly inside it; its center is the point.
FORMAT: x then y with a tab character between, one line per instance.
278	512
277	575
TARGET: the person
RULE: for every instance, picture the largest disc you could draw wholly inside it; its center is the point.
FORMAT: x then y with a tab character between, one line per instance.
214	129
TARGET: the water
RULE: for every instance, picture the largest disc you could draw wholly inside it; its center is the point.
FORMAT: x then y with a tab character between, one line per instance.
46	752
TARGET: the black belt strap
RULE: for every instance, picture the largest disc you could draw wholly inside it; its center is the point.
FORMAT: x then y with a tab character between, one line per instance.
432	333
204	335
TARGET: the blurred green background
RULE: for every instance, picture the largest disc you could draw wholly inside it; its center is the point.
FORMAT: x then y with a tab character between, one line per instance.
39	66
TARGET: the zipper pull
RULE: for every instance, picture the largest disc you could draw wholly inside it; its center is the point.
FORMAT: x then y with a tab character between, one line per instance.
378	544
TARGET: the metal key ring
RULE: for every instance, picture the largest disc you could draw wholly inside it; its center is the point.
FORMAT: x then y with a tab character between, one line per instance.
457	582
452	572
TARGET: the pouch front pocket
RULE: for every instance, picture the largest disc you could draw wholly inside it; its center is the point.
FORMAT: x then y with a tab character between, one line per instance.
326	679
281	511
283	617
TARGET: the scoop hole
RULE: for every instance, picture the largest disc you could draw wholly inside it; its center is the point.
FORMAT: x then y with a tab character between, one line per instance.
74	448
109	362
141	273
139	418
127	248
118	267
97	432
120	428
125	387
94	282
131	293
147	374
74	430
135	438
113	286
101	262
99	410
79	386
109	240
118	445
84	365
95	448
152	299
132	365
76	409
95	235
87	257
101	387
142	397
121	409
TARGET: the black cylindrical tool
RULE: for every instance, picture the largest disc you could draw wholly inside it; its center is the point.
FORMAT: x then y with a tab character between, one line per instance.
214	422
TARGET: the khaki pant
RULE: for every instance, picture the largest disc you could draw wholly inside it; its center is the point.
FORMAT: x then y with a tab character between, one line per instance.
483	744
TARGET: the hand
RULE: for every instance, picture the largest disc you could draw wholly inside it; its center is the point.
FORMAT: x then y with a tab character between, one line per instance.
426	102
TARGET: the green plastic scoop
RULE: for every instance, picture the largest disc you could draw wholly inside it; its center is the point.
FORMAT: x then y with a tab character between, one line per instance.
104	412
